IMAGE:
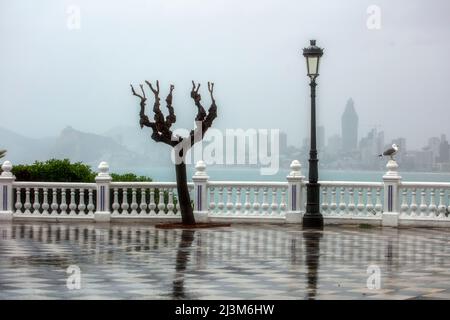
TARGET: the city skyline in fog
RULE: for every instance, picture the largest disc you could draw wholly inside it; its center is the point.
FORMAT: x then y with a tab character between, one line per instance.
54	76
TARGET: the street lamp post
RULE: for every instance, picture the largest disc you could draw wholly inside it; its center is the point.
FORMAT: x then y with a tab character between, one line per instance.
312	217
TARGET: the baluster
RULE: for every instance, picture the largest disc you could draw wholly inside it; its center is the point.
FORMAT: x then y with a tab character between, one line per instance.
413	205
324	204
212	200
72	204
404	205
90	205
265	204
247	204
18	204
36	204
143	204
220	205
441	207
152	205
342	205
333	205
134	204
170	205
256	204
27	205
54	204
378	206
274	205
45	205
161	204
432	208
283	200
125	204
423	205
81	205
369	202
351	202
229	198
63	205
360	206
238	204
116	206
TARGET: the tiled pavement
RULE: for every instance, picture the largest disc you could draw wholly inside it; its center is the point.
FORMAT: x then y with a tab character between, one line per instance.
240	262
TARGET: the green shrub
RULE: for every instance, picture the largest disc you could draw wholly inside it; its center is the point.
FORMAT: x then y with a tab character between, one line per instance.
56	170
127	177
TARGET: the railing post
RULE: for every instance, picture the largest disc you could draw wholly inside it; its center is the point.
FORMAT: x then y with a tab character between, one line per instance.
6	191
391	205
103	180
295	183
200	179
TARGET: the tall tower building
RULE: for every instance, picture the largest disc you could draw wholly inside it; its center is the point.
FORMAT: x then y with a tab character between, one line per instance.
349	122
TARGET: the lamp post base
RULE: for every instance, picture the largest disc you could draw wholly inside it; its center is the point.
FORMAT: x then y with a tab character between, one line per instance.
312	221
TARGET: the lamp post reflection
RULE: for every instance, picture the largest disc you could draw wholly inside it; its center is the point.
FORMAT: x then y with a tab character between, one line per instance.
183	253
312	252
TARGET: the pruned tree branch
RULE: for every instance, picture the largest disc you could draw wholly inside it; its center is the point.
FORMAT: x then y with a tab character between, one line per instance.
201	113
144	121
207	119
171	118
161	127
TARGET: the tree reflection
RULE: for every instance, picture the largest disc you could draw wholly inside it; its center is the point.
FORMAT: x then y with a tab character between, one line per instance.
183	253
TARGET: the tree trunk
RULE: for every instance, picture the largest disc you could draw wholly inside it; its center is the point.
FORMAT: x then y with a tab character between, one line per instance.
187	213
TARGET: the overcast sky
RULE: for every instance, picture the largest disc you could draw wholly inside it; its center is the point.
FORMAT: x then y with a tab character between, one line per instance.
52	76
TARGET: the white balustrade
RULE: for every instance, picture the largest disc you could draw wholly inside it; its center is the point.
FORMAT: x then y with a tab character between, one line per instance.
425	200
145	199
239	199
49	199
350	199
255	201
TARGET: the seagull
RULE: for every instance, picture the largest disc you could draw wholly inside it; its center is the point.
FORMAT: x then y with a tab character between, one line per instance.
390	152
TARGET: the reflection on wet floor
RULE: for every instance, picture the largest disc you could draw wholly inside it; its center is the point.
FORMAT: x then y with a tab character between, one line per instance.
240	262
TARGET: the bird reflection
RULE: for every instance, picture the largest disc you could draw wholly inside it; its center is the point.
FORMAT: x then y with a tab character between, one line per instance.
183	253
312	249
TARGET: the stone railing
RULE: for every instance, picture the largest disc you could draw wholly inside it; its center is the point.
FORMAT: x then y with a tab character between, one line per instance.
345	199
390	202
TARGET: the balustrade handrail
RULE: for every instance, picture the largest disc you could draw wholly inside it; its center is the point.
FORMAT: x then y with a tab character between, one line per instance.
64	185
146	184
349	184
248	184
428	185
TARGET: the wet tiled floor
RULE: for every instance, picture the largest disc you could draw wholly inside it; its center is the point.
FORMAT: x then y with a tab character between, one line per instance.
41	261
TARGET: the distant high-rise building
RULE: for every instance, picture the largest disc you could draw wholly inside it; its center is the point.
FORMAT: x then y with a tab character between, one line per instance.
349	122
370	146
433	147
334	144
444	150
283	142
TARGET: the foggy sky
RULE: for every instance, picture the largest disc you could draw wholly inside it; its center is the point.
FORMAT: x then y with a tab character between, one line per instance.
398	76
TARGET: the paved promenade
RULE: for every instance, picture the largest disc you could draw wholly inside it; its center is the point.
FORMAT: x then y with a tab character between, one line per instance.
131	261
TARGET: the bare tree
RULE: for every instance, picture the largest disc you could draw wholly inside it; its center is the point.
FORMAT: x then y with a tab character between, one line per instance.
161	132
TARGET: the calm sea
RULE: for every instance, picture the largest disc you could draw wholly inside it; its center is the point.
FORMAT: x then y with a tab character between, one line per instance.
232	173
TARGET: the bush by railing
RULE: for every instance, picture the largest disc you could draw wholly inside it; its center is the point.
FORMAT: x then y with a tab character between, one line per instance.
62	170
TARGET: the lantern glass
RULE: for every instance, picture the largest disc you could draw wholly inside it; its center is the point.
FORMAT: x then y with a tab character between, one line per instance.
313	66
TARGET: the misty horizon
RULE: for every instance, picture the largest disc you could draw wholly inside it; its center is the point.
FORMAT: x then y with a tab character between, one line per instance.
53	76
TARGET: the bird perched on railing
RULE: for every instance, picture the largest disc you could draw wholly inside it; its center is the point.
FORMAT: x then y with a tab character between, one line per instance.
390	152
